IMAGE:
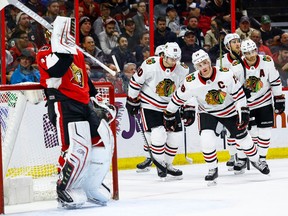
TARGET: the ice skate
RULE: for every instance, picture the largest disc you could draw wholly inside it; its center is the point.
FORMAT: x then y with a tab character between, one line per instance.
174	173
240	166
161	173
144	166
230	163
212	176
71	198
262	166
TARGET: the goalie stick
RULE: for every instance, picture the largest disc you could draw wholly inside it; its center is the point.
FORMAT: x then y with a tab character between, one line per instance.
157	164
48	26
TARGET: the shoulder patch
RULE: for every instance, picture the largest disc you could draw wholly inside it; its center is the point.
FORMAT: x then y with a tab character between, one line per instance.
267	58
150	61
235	62
184	65
224	69
190	77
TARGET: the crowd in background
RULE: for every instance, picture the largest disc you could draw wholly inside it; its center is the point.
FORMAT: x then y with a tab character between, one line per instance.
121	28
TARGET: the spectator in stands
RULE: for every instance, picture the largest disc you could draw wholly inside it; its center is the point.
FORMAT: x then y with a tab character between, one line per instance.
36	6
53	9
282	41
108	38
216	51
141	19
162	34
262	49
89	46
220	9
189	48
146	52
35	31
121	52
192	25
25	72
160	9
269	34
281	64
9	57
244	30
212	36
91	9
21	43
115	80
88	68
128	71
172	20
80	11
144	42
98	25
130	33
85	28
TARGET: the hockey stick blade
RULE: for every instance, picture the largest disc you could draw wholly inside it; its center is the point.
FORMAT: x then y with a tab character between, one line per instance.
48	26
157	164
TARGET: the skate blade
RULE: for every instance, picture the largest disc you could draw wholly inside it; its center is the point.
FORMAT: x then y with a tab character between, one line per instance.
239	172
212	183
230	168
147	169
65	205
171	178
97	202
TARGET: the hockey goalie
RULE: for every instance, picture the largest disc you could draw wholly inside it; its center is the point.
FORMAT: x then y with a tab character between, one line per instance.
82	124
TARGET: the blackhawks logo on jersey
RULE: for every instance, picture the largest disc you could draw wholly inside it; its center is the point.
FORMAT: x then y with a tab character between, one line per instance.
267	58
254	84
165	88
215	97
184	65
150	61
77	78
190	77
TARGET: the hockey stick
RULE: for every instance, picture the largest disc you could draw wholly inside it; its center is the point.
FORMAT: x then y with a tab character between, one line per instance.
48	26
157	164
189	160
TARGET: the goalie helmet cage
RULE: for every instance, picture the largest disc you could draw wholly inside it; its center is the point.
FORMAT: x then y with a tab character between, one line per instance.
29	145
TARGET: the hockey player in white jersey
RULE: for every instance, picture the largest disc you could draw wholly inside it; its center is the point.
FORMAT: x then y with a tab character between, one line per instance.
262	79
150	89
232	43
147	163
221	99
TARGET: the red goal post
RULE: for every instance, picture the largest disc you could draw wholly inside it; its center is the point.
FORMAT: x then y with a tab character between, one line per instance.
14	103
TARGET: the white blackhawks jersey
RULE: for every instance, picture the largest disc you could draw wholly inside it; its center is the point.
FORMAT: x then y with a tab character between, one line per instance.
156	84
262	78
227	61
221	96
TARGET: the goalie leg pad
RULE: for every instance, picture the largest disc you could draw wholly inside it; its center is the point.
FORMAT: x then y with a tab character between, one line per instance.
77	156
71	198
99	165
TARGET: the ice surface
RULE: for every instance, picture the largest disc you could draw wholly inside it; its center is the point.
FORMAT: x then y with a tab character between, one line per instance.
144	194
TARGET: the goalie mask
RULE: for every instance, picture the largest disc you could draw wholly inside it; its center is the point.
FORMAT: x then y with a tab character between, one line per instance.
63	35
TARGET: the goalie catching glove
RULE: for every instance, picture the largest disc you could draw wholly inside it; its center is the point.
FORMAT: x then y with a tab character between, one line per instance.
133	105
279	104
169	120
187	114
103	109
245	117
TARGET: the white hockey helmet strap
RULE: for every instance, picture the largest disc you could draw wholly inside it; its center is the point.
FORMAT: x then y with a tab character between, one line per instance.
172	50
248	46
199	56
230	37
63	35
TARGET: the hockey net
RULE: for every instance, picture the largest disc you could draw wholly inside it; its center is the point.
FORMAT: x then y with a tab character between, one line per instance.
30	148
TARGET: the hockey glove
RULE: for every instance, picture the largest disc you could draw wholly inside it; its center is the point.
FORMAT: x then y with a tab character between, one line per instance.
103	109
245	116
169	121
188	115
247	92
279	104
133	105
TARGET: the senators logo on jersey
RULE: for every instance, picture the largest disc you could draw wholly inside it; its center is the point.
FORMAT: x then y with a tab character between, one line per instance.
190	77
165	88
77	75
215	97
254	84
